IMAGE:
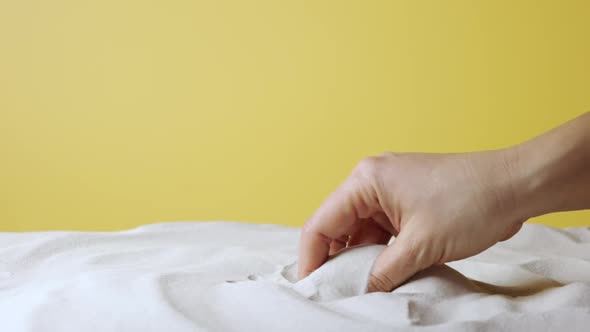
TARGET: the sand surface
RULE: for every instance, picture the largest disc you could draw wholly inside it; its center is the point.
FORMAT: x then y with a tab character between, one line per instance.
223	276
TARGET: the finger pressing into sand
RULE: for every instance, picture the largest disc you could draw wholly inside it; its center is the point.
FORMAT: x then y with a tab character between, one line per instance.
396	264
335	218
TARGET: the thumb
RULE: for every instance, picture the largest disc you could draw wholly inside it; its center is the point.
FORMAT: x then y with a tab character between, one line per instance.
396	264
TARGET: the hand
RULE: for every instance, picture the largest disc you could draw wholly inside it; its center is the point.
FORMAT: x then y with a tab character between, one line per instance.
439	207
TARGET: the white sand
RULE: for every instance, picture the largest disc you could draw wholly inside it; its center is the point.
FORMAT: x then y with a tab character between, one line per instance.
173	277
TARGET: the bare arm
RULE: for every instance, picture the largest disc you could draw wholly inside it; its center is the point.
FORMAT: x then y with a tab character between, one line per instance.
553	170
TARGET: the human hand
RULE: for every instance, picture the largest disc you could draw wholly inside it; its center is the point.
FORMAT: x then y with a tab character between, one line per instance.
439	207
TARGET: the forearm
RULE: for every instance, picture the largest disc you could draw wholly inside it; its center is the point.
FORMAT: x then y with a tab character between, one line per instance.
551	172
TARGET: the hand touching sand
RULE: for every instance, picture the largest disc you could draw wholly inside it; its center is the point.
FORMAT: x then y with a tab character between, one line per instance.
445	207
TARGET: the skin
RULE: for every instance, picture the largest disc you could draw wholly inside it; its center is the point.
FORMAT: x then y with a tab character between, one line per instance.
445	207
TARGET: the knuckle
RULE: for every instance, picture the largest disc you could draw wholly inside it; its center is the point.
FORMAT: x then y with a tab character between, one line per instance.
413	254
368	167
388	154
411	250
308	230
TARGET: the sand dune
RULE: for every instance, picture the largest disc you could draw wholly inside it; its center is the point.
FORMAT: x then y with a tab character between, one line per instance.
223	276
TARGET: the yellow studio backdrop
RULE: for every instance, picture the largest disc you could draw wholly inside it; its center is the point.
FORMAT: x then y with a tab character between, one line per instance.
120	113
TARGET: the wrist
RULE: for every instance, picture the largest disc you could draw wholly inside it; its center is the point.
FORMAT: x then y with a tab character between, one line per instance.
509	179
549	173
529	182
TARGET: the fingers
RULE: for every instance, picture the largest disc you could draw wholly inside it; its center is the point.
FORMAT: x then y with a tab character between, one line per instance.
338	244
369	233
335	218
365	231
331	221
396	264
513	230
314	248
381	219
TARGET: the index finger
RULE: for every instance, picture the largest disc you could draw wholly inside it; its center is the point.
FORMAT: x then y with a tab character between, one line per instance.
333	219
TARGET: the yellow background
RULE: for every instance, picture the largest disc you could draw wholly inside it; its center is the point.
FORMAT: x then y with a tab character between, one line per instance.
120	113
